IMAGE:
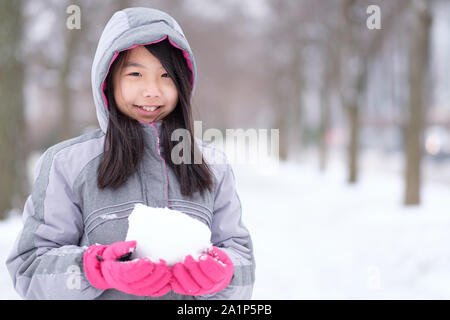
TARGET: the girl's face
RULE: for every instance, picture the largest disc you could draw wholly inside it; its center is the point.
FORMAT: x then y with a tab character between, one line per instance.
142	84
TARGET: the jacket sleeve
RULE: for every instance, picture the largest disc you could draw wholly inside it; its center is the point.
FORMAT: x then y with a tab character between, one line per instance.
46	259
230	235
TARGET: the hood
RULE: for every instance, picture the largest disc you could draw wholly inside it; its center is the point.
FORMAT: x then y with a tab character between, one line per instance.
125	30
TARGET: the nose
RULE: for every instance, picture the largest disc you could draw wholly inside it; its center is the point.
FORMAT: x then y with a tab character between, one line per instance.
151	89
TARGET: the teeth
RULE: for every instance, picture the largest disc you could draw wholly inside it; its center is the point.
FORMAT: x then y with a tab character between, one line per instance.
149	108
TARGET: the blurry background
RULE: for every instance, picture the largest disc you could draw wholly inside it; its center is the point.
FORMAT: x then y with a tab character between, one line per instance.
360	201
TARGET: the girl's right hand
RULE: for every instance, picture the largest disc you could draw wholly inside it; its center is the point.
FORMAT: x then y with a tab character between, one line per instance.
105	269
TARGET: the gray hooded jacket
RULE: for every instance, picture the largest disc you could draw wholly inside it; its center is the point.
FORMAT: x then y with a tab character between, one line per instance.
66	212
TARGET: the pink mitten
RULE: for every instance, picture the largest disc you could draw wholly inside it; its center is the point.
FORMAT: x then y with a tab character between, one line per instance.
210	274
105	270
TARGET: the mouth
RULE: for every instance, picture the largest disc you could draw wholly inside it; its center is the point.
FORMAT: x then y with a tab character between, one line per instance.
148	110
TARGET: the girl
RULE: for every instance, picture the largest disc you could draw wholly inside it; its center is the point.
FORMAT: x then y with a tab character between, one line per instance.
75	221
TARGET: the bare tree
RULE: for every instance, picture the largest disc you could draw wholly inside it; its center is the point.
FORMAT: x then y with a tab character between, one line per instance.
328	86
72	40
421	20
13	184
359	46
287	35
353	76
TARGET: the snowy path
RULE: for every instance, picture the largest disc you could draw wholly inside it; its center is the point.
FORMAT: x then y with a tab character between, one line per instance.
317	238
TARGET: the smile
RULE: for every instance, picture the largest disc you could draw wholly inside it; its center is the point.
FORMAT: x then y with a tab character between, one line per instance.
148	108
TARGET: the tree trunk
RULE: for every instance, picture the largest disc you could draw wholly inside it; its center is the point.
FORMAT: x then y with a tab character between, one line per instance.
298	122
353	99
418	67
72	37
324	125
353	148
330	75
13	183
281	123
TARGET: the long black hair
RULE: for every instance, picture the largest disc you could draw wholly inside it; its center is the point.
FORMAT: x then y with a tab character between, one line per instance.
124	141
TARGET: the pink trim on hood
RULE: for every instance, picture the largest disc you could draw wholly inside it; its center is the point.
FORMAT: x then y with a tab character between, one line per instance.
185	54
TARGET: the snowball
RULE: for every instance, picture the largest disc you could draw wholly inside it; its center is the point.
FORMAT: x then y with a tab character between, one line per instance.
163	233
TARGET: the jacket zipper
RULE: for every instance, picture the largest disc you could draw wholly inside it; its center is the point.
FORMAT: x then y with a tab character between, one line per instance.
143	188
165	166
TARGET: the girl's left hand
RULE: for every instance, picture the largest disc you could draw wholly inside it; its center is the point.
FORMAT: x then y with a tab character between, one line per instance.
210	274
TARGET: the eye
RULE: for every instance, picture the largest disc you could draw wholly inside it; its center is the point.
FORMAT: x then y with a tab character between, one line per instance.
134	73
165	75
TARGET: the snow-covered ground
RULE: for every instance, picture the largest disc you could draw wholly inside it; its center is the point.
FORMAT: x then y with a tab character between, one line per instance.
316	237
8	233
